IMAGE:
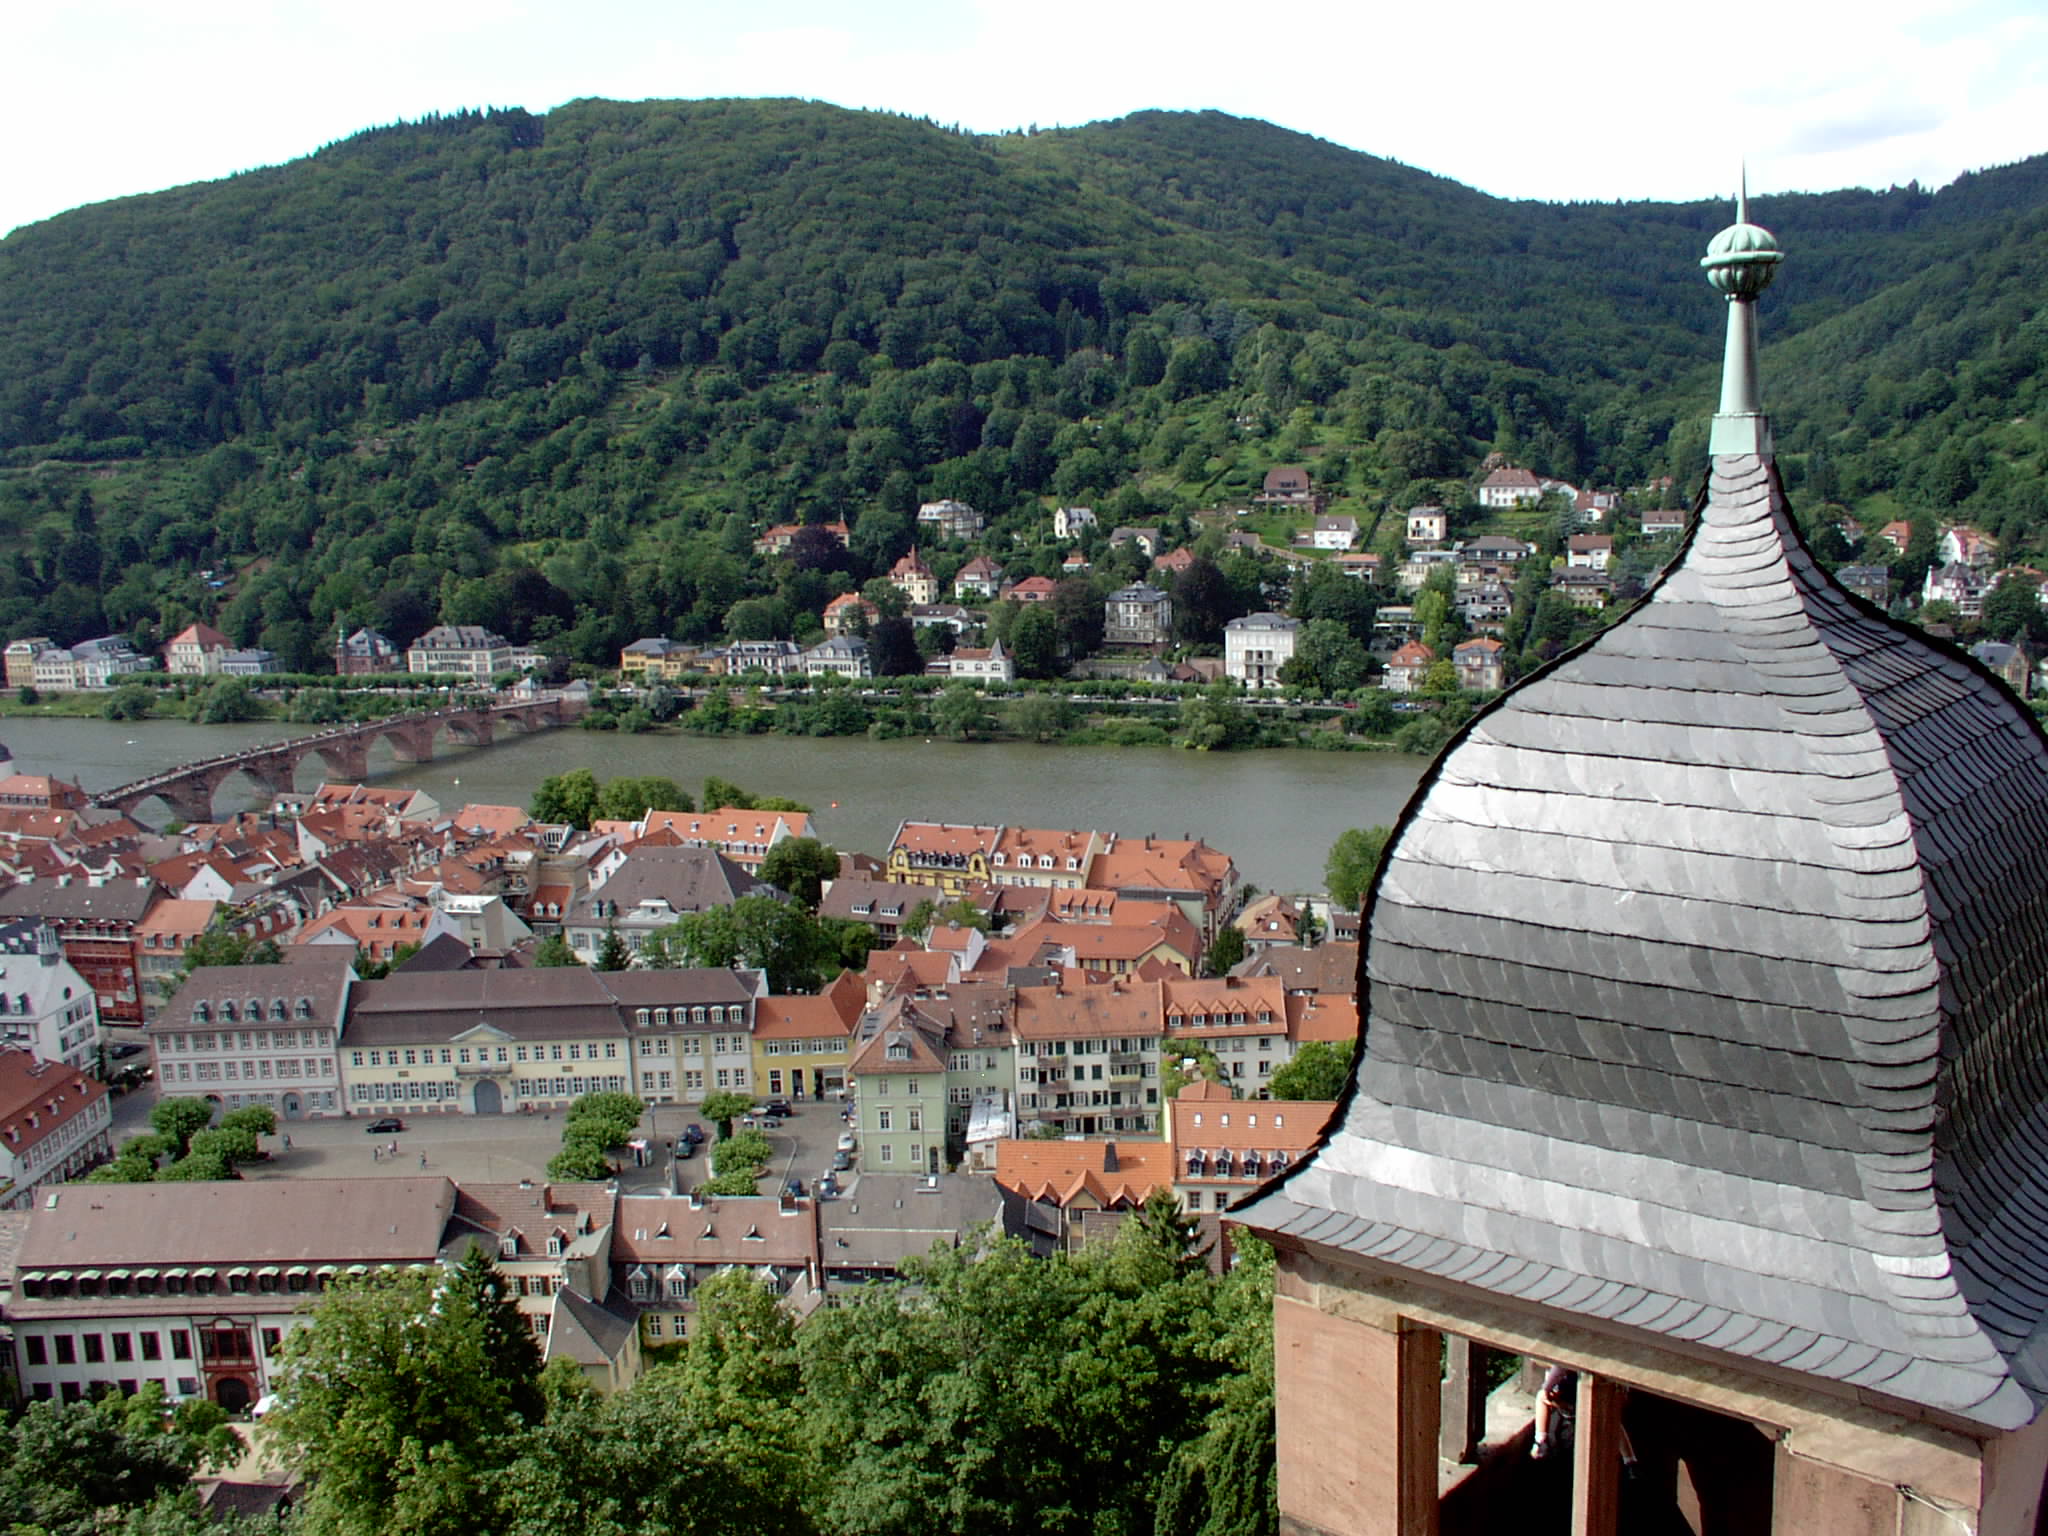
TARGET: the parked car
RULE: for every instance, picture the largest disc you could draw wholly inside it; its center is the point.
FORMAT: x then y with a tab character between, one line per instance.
693	1134
847	1142
841	1160
794	1188
780	1107
124	1051
685	1150
385	1126
828	1185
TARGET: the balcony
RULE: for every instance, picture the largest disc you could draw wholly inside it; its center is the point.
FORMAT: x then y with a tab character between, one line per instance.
483	1069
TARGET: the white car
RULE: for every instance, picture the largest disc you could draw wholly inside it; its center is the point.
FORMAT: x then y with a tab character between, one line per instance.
846	1142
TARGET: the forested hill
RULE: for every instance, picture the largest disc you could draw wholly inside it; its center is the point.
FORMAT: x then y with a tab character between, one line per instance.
547	373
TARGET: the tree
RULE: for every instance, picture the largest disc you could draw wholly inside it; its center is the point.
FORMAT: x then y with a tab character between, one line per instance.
566	797
1327	658
255	1119
1077	612
1224	951
178	1120
398	1399
959	714
554	950
1318	1071
1352	862
1216	720
801	866
2012	610
1203	603
219	945
892	649
1039	717
630	799
746	1152
612	954
1035	642
225	701
71	1469
130	701
760	932
724	1107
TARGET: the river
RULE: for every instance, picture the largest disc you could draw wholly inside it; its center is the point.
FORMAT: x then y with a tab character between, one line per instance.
1276	811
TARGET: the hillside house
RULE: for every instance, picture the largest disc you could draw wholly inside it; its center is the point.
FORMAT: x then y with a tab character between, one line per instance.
1334	533
1071	522
1509	487
1407	667
1257	646
1481	664
950	519
1137	615
1428	525
1591	551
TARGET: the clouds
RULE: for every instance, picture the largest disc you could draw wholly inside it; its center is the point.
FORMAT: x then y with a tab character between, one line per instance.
1599	99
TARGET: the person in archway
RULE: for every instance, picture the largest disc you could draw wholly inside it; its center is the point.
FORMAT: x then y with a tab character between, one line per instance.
1554	1407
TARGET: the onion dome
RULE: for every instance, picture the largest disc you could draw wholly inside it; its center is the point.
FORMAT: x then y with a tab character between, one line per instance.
1702	983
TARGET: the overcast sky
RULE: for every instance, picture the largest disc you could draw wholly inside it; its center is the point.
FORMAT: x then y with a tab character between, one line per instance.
1594	99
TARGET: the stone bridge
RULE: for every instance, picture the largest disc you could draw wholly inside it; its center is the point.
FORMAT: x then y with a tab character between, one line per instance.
189	790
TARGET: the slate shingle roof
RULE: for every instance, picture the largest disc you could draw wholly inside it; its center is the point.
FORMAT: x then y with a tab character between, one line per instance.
1704	994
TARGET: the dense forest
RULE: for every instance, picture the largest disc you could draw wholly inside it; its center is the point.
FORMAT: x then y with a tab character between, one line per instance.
554	374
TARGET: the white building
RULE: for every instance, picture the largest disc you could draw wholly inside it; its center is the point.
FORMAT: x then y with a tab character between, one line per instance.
992	665
194	1285
55	1123
841	656
1137	615
1068	522
1509	487
259	1034
1257	646
453	650
1428	525
46	1007
1334	533
950	519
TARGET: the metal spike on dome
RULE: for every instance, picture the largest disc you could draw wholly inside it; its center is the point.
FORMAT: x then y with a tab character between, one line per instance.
1741	262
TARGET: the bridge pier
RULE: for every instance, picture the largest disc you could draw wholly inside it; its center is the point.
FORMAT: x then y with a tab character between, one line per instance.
348	761
412	741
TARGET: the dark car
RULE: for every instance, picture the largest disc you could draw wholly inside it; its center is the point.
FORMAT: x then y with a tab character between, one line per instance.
385	1126
693	1134
841	1161
794	1188
828	1186
780	1107
123	1052
685	1149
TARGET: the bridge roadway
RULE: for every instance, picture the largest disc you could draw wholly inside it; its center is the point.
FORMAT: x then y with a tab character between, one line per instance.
189	790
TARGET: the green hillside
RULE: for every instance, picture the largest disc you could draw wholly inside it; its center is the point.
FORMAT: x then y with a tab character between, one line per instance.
551	374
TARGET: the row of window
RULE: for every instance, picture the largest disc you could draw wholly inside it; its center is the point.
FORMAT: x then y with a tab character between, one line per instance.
802	1047
203	1010
435	1091
253	1071
1219	1020
716	1013
449	1056
1120	1045
221	1345
247	1040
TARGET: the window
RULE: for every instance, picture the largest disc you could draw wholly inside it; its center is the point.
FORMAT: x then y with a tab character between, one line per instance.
152	1346
181	1344
270	1340
37	1354
124	1346
95	1349
916	1120
888	1153
654	1325
882	1120
67	1352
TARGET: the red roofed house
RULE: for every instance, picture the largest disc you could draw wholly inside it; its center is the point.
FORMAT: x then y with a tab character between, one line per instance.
801	1042
40	792
1481	664
742	836
1223	1147
195	651
1032	589
914	579
1405	668
55	1123
845	614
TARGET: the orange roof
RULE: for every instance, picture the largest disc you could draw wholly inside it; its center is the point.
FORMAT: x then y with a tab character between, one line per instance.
728	824
204	636
891	968
174	916
1116	1007
367	923
1104	1172
1160	863
497	820
1019	843
832	1012
1278	1125
1413	654
36	1097
1221	998
1322	1016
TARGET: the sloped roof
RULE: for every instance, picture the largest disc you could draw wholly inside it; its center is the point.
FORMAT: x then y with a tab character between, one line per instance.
1701	991
1065	1171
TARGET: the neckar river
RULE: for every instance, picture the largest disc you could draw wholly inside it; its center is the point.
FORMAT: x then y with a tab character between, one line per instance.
1276	812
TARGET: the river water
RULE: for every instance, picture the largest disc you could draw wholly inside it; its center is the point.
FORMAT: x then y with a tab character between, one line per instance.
1276	811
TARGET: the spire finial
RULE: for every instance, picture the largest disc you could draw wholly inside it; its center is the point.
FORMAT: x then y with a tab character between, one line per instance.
1741	263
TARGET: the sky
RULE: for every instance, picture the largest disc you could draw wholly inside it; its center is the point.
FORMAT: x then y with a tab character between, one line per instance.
1584	100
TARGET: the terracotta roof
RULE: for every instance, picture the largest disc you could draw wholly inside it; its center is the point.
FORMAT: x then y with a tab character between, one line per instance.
1322	1016
171	915
37	1098
725	824
1112	1008
795	1017
1160	864
934	837
1413	654
1063	1172
1261	1125
498	820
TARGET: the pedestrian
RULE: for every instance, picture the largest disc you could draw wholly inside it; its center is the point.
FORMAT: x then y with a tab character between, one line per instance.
376	1154
287	1143
423	1159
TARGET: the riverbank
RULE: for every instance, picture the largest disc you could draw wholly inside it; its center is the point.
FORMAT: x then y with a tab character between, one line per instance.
1276	812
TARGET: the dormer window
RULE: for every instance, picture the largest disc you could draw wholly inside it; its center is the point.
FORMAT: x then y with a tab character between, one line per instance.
1000	859
304	1008
554	1245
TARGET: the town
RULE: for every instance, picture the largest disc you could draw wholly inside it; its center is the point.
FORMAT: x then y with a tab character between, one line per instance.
1049	1026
